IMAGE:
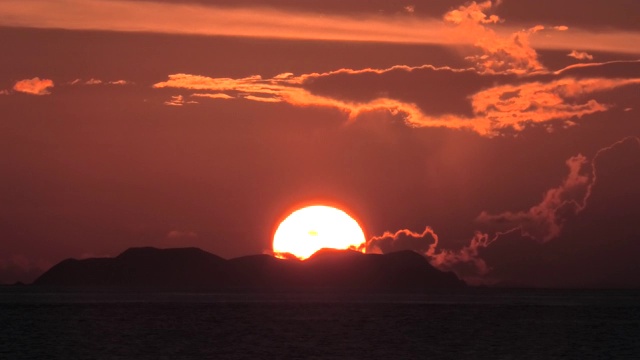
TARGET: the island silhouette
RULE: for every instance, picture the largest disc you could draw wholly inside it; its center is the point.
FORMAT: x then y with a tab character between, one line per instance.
195	270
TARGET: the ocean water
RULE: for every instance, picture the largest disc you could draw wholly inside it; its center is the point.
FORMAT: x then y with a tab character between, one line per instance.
479	324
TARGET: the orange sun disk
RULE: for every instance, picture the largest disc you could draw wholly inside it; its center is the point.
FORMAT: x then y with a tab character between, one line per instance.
312	228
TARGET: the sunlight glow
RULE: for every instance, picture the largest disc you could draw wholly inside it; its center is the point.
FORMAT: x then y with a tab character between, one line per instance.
312	228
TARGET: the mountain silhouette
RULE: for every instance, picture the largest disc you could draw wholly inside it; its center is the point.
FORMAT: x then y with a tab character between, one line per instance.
192	269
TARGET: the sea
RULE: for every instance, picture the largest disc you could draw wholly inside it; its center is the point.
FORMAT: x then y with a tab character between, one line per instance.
460	324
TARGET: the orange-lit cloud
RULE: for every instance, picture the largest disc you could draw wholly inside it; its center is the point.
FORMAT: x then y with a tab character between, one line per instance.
602	41
119	82
471	14
178	100
35	86
93	81
162	17
252	84
221	96
495	109
613	68
278	89
537	102
4	92
148	16
268	99
580	55
500	53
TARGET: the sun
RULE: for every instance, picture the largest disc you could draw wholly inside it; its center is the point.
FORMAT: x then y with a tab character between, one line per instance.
312	228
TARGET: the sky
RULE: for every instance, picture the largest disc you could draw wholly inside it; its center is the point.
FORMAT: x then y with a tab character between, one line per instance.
500	139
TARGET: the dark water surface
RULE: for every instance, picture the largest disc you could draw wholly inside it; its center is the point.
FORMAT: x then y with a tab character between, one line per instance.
493	324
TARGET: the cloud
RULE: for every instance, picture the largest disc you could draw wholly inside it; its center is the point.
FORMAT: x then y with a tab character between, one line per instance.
583	233
500	53
213	96
252	84
466	261
4	92
597	246
514	106
278	89
599	40
580	55
410	85
544	221
268	99
424	243
493	110
288	89
118	15
178	100
610	69
471	14
35	86
570	94
93	81
404	27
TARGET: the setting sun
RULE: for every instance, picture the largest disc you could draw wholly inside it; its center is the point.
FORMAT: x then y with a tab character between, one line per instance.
312	228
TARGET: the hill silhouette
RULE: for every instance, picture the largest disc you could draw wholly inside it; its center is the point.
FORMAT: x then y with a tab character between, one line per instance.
192	269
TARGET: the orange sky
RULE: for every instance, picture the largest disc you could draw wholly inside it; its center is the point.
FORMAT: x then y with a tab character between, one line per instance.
499	139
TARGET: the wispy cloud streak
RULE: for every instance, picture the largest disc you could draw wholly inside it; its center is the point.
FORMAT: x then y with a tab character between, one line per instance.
147	16
498	108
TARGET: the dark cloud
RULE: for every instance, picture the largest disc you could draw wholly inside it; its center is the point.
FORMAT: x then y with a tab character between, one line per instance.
424	243
597	247
437	91
584	233
486	103
545	220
